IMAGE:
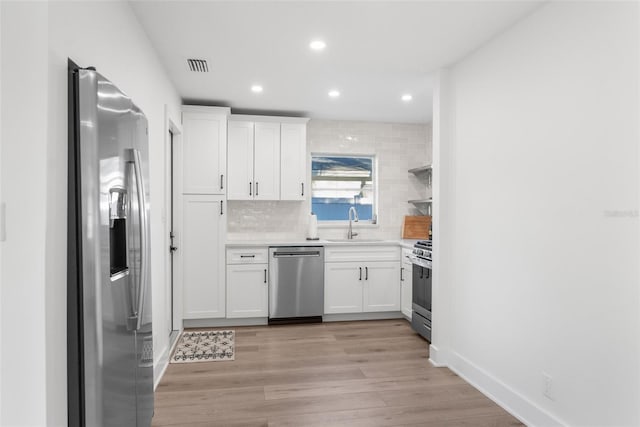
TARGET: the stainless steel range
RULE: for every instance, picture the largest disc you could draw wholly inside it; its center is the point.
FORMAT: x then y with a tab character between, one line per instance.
422	262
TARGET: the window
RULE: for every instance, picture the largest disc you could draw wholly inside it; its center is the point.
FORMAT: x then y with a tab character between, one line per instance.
340	182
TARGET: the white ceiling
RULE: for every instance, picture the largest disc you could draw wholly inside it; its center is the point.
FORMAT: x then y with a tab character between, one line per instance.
376	51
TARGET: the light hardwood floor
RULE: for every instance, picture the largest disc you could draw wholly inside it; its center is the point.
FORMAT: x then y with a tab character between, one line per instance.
373	373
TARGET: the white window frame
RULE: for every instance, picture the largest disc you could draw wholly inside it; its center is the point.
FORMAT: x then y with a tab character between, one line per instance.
372	223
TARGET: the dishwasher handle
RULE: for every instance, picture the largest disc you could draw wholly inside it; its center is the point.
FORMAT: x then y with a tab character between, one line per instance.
296	254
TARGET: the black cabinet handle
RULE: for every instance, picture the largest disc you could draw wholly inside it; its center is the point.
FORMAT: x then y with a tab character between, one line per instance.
221	211
421	272
401	270
247	256
221	182
250	189
360	273
428	273
366	273
256	188
302	189
265	275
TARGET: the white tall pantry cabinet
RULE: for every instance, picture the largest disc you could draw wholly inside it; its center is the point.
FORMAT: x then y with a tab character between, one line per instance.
201	183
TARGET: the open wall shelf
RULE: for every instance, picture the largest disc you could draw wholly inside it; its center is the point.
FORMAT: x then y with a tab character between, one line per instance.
423	205
421	170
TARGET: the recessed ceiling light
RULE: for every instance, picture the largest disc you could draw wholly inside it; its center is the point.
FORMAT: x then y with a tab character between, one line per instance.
317	45
334	93
256	89
407	97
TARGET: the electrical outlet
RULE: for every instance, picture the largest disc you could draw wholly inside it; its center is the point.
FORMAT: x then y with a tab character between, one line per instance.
547	389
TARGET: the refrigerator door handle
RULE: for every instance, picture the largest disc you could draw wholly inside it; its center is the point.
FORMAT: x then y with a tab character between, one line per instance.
144	249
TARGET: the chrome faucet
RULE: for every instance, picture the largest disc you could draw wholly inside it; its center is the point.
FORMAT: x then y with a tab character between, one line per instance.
350	233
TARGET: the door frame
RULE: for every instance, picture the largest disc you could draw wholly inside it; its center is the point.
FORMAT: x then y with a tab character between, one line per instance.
172	217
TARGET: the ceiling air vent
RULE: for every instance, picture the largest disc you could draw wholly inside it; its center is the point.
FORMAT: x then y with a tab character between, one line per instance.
198	65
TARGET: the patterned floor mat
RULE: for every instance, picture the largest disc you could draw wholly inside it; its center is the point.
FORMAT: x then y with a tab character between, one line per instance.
204	346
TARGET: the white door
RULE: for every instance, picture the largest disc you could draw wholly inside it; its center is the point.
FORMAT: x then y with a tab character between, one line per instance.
406	287
240	184
343	282
382	286
293	158
204	153
266	161
203	225
247	290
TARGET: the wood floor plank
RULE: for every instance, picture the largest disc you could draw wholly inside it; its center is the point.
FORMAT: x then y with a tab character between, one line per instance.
265	377
211	397
428	414
373	373
327	388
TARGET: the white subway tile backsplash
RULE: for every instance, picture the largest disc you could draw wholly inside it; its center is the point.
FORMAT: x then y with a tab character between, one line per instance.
397	148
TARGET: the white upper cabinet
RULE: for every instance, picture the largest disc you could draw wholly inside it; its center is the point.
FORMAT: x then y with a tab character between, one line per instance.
254	160
267	158
293	149
266	161
240	161
204	151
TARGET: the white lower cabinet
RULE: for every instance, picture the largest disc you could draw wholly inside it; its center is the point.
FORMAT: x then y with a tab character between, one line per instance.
381	291
247	290
247	282
406	284
362	286
342	287
201	257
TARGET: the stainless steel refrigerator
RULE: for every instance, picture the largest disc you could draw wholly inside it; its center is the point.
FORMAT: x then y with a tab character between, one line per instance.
110	351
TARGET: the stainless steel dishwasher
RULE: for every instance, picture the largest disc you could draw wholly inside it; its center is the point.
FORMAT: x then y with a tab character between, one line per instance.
296	284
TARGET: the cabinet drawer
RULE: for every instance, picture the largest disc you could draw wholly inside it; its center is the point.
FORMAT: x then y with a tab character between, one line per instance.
361	253
247	256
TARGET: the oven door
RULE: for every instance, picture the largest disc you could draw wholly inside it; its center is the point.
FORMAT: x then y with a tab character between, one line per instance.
422	289
421	318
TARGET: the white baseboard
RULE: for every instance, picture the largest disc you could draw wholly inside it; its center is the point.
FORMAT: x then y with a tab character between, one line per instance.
513	402
215	323
160	365
436	357
362	316
163	361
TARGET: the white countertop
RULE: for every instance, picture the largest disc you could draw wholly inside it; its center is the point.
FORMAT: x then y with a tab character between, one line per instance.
404	243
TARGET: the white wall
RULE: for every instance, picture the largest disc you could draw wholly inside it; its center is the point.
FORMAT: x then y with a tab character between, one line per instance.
542	272
37	39
397	147
24	161
1	201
